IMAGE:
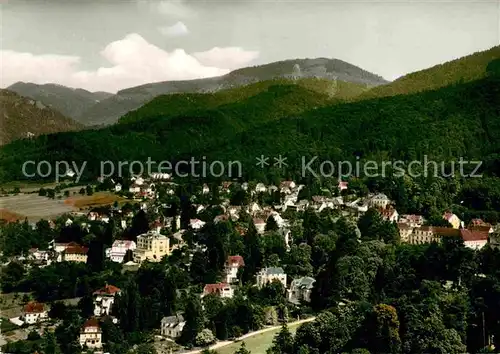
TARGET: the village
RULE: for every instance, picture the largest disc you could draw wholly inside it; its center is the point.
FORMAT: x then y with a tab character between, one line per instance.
245	205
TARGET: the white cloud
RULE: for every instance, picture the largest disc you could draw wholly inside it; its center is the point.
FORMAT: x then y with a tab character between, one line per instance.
174	8
229	57
176	30
132	61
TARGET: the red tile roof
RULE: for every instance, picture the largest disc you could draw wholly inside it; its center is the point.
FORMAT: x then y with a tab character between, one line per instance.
238	260
76	250
403	226
107	290
258	221
34	307
91	322
468	235
214	288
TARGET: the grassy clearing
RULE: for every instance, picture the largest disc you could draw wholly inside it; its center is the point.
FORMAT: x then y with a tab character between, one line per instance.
257	344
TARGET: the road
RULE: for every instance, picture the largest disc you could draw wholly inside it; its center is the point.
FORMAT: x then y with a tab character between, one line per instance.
251	334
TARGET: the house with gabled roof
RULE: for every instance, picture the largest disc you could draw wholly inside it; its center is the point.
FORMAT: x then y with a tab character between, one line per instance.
104	299
34	312
223	290
270	274
300	289
172	326
91	334
233	264
452	219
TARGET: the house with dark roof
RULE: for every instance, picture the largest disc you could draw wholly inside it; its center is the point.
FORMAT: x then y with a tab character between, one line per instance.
300	290
270	274
172	326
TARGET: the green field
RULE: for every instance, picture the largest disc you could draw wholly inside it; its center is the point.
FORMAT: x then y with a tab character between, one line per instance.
257	344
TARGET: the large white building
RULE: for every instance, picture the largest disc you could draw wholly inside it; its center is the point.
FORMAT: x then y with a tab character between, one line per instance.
151	246
119	248
104	299
268	275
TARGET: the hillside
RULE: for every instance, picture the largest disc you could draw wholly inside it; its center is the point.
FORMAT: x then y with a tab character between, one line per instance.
469	68
70	102
289	120
109	110
21	116
181	104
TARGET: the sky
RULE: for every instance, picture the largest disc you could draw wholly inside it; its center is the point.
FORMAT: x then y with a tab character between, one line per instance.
108	45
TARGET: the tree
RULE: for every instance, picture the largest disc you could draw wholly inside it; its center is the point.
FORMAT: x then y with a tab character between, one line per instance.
193	315
82	191
298	261
89	190
243	349
58	310
271	224
204	338
283	342
49	343
86	306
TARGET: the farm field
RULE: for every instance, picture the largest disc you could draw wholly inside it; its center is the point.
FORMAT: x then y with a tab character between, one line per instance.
33	206
91	201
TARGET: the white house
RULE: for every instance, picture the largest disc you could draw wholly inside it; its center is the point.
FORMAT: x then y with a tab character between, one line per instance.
287	187
268	275
260	188
196	224
104	299
412	220
118	187
300	290
205	189
221	289
91	334
134	188
119	248
34	312
390	214
379	201
260	225
172	326
474	239
233	264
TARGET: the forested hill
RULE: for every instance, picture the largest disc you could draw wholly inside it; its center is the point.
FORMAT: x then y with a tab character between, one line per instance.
21	116
469	68
181	104
458	120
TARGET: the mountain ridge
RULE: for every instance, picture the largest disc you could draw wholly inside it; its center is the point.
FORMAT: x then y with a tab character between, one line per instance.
109	109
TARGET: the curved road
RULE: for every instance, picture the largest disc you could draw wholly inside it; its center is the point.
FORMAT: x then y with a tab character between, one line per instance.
251	334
